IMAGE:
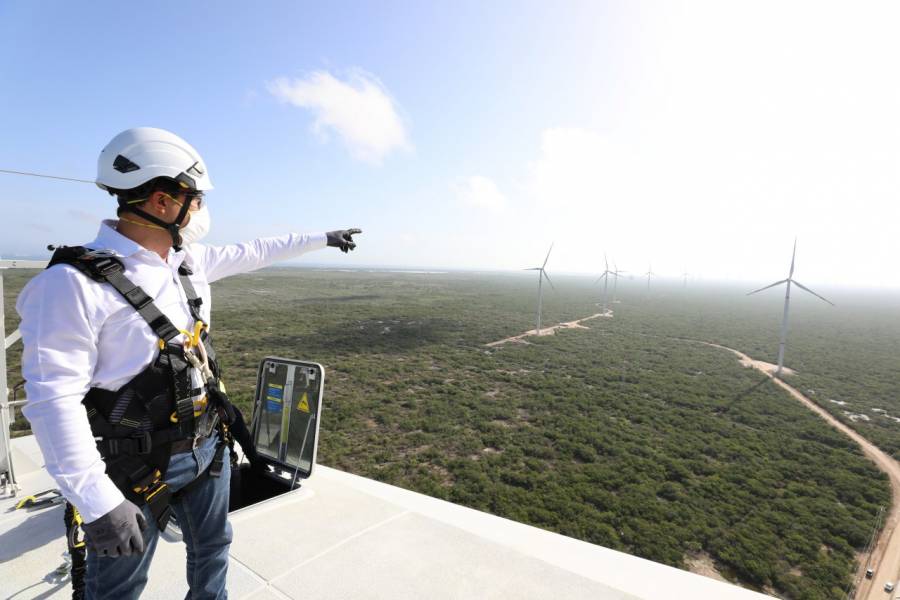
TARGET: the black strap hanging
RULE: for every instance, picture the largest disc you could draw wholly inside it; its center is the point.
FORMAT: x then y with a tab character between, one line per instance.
77	550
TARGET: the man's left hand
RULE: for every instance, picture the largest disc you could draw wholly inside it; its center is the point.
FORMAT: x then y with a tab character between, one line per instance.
343	239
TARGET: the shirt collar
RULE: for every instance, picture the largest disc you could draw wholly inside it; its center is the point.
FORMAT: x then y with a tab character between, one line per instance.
110	239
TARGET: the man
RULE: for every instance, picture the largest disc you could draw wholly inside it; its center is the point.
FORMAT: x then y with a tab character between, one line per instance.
123	387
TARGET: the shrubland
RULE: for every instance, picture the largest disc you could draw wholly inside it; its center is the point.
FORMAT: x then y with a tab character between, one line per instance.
626	434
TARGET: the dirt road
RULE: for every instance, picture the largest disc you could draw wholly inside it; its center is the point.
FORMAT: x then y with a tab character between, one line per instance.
550	330
885	558
886	554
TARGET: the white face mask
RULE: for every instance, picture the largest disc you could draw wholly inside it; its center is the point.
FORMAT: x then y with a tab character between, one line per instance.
197	227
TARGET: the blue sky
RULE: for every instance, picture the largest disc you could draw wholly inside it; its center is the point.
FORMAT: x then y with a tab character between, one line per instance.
701	135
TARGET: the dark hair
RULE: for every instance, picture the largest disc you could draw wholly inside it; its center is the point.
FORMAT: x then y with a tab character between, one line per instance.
143	191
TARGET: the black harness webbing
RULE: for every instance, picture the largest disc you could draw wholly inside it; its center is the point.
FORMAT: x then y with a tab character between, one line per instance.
193	300
216	397
102	267
136	457
142	303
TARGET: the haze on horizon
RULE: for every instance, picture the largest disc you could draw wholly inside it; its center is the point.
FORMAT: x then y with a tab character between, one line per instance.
700	135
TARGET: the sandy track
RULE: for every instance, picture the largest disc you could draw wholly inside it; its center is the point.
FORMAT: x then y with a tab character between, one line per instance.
886	554
520	339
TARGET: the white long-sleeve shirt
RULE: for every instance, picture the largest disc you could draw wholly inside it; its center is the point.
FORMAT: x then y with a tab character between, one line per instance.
79	334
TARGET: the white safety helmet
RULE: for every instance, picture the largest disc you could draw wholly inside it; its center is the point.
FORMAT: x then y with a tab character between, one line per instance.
138	155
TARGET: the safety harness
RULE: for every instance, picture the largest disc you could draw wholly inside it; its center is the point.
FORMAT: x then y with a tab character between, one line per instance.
139	426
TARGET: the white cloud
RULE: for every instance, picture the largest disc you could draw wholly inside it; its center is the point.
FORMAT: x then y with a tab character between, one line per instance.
359	110
481	192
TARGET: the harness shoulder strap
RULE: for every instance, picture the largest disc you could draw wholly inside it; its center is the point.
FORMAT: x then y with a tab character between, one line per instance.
194	301
103	267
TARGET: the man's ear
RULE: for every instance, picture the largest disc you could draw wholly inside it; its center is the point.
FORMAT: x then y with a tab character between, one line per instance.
158	202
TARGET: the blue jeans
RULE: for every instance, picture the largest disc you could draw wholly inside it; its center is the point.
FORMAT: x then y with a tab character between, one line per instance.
203	516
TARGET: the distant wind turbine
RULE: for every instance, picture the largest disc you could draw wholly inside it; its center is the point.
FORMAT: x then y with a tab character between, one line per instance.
605	277
787	301
615	273
685	275
541	275
649	274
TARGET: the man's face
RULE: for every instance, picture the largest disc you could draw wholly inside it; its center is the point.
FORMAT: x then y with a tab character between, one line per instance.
170	205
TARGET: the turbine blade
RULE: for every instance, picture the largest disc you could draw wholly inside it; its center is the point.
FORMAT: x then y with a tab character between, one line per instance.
532	269
803	287
767	287
793	256
599	279
548	255
548	279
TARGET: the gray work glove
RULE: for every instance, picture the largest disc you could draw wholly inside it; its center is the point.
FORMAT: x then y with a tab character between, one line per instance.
118	532
342	238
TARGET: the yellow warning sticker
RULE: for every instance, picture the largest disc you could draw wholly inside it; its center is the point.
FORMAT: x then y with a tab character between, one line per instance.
303	406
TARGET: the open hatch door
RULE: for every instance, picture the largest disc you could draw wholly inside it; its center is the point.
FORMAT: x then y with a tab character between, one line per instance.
286	414
284	431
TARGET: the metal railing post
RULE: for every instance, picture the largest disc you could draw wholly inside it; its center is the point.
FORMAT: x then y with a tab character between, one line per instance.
7	473
7	470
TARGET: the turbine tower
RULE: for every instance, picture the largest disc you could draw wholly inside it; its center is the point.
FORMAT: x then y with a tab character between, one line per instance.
615	273
605	277
685	275
787	301
541	275
649	274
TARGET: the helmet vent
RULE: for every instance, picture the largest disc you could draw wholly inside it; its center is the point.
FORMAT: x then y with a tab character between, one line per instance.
123	165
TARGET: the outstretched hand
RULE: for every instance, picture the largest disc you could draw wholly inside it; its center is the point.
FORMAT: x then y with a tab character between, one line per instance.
343	239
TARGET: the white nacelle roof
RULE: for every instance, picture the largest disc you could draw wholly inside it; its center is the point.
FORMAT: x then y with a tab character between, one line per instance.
343	536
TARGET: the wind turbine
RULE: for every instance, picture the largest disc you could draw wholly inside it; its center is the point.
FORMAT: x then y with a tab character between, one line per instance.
787	301
605	277
649	274
685	275
541	275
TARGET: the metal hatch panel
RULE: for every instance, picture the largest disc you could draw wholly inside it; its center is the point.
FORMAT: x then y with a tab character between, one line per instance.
287	411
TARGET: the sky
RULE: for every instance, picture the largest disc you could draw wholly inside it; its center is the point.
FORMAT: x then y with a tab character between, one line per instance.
699	136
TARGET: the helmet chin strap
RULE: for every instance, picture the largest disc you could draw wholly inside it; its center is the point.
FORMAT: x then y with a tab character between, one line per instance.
173	227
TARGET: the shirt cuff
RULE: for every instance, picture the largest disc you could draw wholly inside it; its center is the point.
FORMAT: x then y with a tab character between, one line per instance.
318	240
104	497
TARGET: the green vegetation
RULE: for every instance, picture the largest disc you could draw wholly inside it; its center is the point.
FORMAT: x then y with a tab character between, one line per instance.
620	434
845	356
